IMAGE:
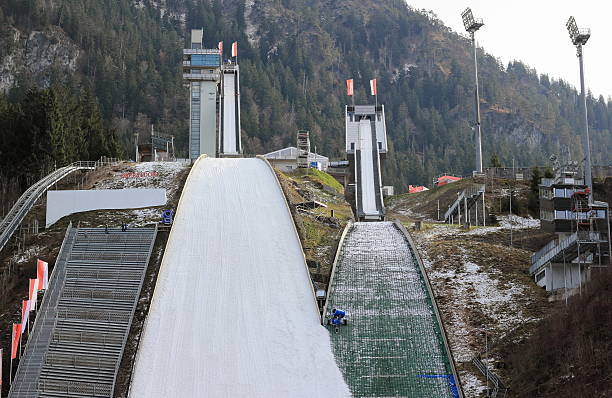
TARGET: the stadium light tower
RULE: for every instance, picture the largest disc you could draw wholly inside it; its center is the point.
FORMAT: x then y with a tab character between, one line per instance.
579	38
472	25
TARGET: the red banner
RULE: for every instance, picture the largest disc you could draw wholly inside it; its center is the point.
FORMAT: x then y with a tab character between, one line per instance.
235	49
43	274
373	86
25	312
349	87
15	340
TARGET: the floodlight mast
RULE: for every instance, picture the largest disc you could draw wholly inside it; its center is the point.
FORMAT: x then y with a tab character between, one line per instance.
579	38
472	25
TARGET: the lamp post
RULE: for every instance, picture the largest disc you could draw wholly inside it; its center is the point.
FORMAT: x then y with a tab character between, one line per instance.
579	38
472	25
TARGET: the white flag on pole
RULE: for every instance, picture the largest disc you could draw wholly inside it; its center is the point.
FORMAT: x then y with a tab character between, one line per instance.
25	312
33	293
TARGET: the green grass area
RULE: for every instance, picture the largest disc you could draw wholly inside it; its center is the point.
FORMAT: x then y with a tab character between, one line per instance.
320	177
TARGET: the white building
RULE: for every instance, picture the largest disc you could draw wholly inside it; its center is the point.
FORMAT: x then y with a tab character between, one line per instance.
286	159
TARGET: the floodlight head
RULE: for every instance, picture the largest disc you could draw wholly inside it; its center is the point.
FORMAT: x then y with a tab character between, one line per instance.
579	36
470	23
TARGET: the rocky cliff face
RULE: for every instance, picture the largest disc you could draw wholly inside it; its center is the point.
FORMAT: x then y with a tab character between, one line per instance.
37	55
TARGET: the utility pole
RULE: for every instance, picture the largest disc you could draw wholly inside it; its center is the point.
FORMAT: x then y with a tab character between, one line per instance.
579	38
510	216
471	25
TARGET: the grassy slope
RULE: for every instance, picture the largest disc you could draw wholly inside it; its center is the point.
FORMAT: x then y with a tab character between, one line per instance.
424	205
319	232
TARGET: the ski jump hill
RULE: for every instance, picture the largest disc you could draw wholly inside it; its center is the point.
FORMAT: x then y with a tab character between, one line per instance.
233	313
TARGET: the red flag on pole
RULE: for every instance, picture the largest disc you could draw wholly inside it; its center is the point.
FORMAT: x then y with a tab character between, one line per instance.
25	312
43	275
1	369
373	86
235	49
349	87
33	293
15	340
220	46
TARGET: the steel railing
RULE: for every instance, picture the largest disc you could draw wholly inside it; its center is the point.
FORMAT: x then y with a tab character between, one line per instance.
498	386
26	201
470	193
554	248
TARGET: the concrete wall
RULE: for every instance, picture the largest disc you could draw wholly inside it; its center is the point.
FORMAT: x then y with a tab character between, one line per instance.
63	203
554	276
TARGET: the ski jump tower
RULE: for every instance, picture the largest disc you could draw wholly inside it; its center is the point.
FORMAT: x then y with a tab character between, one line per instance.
213	95
366	145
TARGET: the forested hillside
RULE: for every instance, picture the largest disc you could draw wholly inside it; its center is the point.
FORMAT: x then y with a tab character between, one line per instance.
294	58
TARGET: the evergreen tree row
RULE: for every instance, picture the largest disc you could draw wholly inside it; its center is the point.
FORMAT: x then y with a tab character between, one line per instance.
51	128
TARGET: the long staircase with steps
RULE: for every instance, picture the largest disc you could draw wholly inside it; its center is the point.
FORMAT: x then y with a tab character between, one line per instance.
80	331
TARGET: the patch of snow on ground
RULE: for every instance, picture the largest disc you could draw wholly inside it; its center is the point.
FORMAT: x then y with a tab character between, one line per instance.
471	289
507	223
26	255
472	295
472	386
166	176
146	216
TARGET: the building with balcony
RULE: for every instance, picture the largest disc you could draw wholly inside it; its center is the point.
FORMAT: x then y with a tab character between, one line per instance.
582	227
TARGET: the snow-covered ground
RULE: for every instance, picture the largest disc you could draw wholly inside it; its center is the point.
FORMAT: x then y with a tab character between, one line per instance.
505	224
233	313
145	175
161	175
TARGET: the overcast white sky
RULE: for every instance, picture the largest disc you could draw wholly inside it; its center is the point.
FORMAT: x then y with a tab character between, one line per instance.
534	32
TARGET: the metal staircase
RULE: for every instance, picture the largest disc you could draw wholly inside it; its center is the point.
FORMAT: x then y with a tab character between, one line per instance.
303	146
568	247
468	198
82	326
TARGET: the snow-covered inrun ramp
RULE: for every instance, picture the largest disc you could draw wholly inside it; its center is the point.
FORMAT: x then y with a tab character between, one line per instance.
233	313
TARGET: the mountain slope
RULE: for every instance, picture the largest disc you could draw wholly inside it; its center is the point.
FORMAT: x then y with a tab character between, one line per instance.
295	56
